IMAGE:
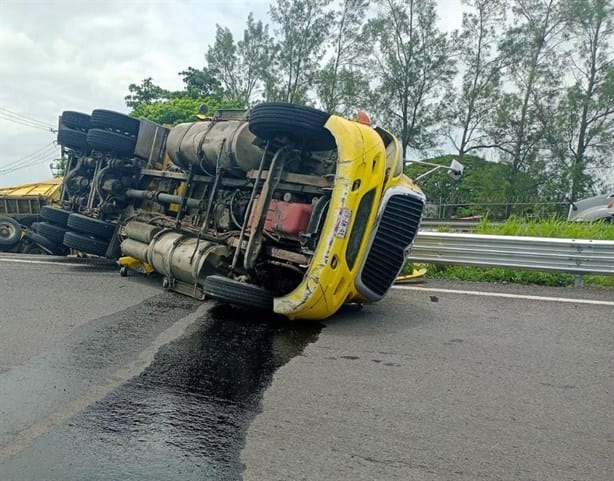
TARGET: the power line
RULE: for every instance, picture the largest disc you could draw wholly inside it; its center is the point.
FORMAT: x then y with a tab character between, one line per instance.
33	154
41	160
32	159
4	110
25	120
37	157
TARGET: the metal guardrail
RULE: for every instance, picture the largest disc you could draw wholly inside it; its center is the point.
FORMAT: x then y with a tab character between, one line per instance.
450	224
454	225
575	256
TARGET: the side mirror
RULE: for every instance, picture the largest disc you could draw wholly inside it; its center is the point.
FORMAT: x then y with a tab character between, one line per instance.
456	169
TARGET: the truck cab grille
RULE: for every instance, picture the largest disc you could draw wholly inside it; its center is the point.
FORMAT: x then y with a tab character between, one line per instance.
395	230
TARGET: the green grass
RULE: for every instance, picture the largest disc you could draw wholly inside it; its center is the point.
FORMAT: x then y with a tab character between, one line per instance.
550	227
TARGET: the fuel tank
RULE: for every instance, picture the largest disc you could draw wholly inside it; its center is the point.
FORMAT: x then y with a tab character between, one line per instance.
205	143
179	257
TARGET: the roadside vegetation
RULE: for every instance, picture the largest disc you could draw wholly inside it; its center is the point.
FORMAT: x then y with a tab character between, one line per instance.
551	227
526	84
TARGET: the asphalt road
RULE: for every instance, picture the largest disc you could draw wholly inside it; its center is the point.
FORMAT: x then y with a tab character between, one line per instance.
106	378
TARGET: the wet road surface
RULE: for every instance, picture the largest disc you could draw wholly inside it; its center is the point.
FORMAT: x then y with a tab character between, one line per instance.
116	401
134	383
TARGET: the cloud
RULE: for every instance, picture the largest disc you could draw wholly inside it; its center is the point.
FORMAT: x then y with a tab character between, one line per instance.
75	55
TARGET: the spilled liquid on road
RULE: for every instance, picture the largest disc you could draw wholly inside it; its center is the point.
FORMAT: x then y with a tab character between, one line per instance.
184	417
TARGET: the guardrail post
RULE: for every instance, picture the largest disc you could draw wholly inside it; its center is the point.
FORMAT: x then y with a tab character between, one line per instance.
579	280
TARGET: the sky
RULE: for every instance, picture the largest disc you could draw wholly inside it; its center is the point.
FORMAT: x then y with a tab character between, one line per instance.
82	55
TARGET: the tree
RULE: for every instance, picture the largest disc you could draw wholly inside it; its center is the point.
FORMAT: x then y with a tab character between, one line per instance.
302	27
586	114
58	167
341	85
521	120
481	189
412	67
468	109
255	52
241	66
200	84
145	93
177	109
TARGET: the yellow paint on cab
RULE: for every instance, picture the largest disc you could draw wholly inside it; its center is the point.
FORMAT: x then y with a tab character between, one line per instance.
329	281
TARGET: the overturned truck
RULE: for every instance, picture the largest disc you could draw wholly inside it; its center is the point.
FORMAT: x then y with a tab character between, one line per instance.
280	207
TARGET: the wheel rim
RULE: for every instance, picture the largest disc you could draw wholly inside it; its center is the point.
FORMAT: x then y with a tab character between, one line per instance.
7	230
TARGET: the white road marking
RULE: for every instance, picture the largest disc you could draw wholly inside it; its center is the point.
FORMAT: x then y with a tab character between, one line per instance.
507	295
32	261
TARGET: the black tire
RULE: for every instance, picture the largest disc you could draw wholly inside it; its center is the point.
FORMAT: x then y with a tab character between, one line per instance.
108	119
114	250
52	232
238	293
55	215
304	126
10	233
47	244
108	141
91	226
85	243
76	120
73	139
32	248
27	219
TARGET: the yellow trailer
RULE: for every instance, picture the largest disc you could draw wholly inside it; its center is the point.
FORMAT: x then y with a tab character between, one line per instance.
21	209
24	202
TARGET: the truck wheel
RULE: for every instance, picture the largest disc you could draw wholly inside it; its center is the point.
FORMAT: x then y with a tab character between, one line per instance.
91	226
47	244
85	243
52	232
108	119
33	249
28	219
238	293
73	139
108	141
76	120
304	126
55	215
10	233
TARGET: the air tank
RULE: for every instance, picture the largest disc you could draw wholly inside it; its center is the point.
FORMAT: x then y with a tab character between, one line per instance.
201	144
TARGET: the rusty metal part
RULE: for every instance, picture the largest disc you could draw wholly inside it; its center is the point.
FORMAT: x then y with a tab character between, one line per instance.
261	206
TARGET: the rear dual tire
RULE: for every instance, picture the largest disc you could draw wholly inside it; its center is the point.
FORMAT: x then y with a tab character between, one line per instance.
85	243
76	120
108	119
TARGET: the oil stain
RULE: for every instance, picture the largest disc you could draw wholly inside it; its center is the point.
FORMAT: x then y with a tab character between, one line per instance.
184	417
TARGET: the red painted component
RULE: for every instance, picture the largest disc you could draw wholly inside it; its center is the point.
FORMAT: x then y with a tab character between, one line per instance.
287	217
